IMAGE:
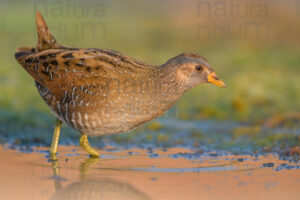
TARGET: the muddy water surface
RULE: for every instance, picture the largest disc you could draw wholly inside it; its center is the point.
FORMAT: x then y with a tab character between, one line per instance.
137	174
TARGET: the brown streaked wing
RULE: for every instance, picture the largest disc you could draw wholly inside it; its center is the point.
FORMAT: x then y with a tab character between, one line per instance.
93	67
64	69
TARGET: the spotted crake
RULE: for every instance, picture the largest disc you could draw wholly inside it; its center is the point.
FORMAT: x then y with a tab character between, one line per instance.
100	91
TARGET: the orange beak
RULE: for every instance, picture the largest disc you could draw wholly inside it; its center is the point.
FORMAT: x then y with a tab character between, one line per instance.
213	78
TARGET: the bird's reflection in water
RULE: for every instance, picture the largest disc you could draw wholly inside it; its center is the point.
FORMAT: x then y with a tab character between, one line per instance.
92	188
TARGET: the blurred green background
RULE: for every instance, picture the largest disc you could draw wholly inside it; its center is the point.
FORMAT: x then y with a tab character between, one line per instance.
254	46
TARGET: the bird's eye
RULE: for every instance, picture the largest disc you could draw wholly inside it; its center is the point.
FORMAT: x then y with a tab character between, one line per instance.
198	68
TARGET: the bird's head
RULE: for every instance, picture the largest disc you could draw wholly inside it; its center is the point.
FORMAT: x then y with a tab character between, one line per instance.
192	70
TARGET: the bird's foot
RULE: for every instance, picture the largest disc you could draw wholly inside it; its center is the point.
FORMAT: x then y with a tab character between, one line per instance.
53	157
85	145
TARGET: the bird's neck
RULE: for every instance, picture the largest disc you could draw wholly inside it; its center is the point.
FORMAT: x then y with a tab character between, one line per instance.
169	84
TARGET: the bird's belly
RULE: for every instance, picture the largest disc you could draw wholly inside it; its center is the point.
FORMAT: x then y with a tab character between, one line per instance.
116	121
95	124
96	119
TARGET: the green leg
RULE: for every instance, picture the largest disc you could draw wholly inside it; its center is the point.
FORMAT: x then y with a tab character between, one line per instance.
84	143
55	138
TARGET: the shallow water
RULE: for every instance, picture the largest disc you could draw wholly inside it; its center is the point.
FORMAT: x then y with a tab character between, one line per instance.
204	135
175	173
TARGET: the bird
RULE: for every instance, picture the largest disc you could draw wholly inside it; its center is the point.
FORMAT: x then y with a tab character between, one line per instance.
98	91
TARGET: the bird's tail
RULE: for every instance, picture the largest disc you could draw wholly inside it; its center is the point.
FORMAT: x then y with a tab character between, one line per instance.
45	38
